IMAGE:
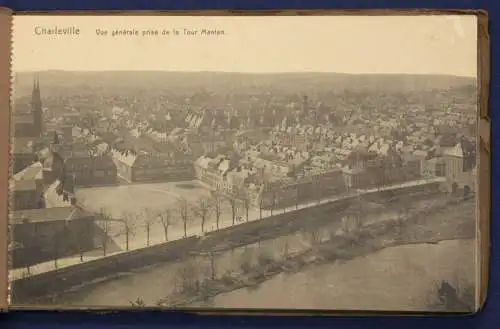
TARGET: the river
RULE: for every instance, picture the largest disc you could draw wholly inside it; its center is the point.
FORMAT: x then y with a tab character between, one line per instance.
397	278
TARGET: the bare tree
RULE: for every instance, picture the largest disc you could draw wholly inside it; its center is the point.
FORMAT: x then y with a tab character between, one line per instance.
377	174
246	260
246	204
234	208
297	200
81	237
187	277
167	218
149	219
57	240
129	221
381	176
183	208
352	222
314	237
261	206
105	221
319	191
217	202
202	208
403	213
28	267
286	248
273	205
212	266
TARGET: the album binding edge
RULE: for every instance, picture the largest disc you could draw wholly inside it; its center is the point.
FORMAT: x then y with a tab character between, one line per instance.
5	93
484	179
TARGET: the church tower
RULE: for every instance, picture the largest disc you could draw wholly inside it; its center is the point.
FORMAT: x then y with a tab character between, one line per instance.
36	109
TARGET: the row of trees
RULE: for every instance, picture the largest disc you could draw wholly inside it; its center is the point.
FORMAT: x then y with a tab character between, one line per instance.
181	213
184	212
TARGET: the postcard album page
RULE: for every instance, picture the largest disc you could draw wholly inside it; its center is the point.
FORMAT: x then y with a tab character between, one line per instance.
245	162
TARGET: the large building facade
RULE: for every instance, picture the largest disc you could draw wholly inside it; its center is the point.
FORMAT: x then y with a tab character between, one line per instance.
30	124
28	127
26	188
50	233
142	167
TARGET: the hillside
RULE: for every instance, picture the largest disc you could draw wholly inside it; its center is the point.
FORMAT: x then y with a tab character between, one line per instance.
67	82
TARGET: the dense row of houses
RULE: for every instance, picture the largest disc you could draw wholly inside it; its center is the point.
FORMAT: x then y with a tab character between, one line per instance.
268	183
264	183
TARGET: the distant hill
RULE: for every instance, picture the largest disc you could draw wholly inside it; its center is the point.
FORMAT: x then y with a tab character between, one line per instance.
54	82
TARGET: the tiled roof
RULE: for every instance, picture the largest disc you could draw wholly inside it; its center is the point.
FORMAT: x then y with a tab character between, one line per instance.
47	214
456	151
30	173
23	185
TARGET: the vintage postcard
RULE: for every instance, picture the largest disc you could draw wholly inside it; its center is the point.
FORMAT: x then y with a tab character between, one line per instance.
246	162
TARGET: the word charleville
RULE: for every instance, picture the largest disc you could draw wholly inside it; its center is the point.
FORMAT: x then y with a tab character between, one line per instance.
56	30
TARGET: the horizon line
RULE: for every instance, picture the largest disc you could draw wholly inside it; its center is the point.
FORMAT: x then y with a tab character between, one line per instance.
243	72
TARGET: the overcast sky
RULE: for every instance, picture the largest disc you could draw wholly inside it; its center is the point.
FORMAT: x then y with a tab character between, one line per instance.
344	44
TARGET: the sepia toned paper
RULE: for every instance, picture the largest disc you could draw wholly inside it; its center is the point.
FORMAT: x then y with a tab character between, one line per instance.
239	162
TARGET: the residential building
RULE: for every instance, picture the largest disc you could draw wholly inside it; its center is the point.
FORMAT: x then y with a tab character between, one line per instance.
435	166
88	170
26	188
22	153
141	167
51	232
460	166
213	171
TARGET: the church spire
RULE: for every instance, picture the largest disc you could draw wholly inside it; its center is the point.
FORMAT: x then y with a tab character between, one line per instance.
35	95
34	91
36	107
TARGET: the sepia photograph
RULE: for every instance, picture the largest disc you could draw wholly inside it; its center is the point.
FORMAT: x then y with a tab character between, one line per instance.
244	162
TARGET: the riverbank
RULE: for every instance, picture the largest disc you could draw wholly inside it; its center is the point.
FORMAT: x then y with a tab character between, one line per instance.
99	284
155	237
452	222
48	287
